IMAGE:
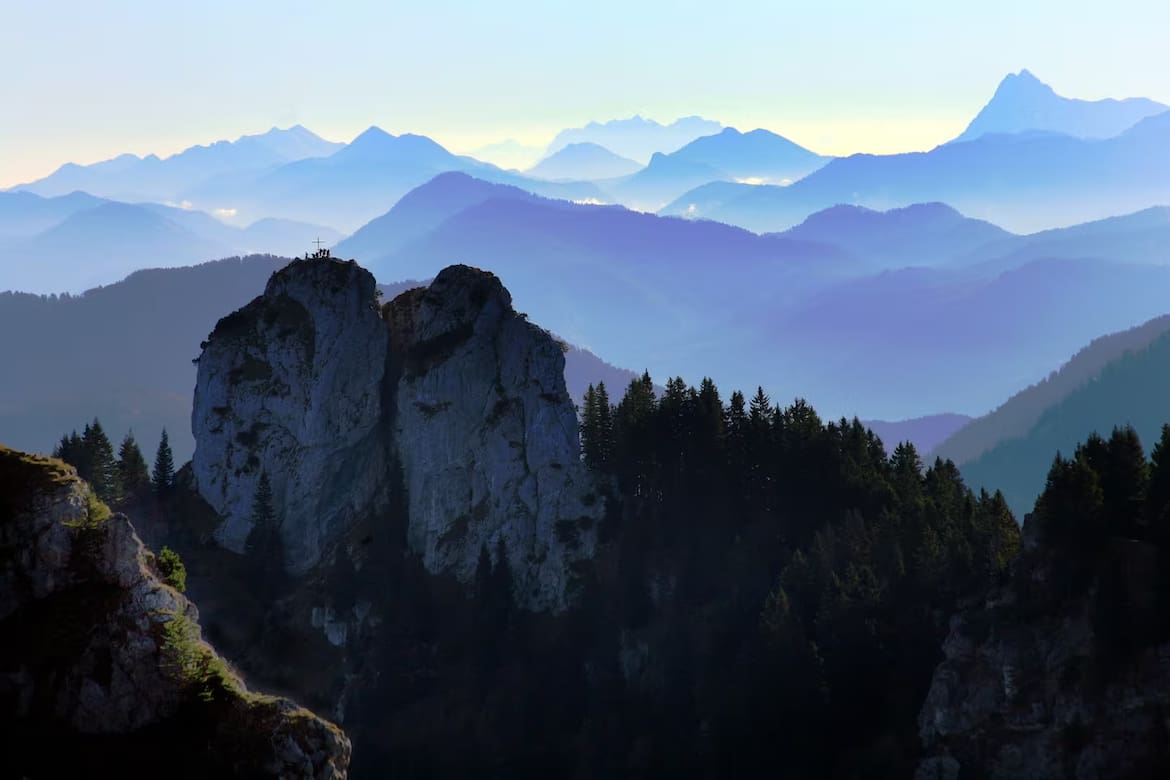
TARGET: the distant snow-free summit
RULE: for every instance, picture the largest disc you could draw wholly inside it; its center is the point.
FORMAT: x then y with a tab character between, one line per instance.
583	161
1023	102
637	138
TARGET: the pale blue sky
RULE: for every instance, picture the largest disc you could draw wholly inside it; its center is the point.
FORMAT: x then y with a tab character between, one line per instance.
84	81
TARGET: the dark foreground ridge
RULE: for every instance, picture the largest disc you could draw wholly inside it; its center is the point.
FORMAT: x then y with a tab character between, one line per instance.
103	669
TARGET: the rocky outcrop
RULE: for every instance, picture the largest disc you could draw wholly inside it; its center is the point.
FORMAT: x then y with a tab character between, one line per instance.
1033	685
487	437
445	400
292	385
103	667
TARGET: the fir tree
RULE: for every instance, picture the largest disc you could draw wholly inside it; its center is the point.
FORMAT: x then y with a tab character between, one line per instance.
604	428
264	544
132	470
163	476
1125	480
589	429
1157	509
100	467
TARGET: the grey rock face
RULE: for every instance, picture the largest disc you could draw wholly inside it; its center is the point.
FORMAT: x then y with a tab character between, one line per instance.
487	437
291	385
1022	691
446	393
87	624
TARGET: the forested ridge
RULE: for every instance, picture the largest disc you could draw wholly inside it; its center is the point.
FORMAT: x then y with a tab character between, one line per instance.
770	590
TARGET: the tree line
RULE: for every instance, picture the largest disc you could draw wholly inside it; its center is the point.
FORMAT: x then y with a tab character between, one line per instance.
823	569
122	478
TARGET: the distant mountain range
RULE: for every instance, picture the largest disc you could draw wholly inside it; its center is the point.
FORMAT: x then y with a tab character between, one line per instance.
925	234
132	178
832	305
757	157
422	210
1023	182
925	433
1132	387
87	241
637	138
896	341
1031	160
644	291
361	181
1019	414
582	162
123	352
23	214
1023	102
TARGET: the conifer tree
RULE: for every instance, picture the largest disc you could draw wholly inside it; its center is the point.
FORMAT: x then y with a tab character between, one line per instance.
589	432
133	473
163	476
1157	509
264	544
737	447
1124	481
604	427
101	469
69	449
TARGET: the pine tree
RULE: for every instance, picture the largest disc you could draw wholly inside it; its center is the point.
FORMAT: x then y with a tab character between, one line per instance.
69	449
906	468
101	469
1124	481
163	476
635	440
1157	509
132	470
264	544
604	427
589	432
736	443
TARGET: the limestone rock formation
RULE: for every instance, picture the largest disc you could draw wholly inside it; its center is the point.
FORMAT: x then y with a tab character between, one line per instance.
487	437
1030	687
445	400
103	667
291	384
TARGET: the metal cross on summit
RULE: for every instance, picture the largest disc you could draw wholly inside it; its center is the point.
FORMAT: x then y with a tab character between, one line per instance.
320	253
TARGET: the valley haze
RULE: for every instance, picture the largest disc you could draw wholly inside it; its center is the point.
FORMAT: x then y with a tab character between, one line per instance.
537	390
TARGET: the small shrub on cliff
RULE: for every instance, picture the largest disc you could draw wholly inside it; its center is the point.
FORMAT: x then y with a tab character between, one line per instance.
170	565
96	513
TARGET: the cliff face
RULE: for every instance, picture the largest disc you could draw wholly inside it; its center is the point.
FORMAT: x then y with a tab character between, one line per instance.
446	401
104	659
1042	682
487	437
291	384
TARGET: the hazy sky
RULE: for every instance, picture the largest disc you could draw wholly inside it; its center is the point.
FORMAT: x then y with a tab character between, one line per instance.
84	81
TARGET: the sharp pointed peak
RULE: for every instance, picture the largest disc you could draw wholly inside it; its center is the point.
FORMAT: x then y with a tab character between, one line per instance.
371	133
1024	79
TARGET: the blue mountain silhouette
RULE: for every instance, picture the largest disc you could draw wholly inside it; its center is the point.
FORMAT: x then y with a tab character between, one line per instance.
1023	182
1023	102
583	161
